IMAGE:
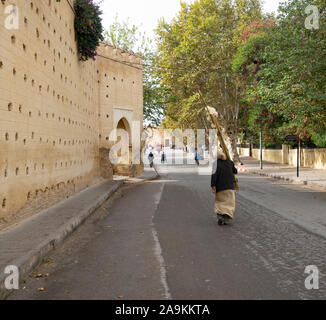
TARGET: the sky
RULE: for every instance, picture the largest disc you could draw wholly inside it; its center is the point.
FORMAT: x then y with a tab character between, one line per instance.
146	13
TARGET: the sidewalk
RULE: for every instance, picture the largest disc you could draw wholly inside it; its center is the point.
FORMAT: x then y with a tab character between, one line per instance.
308	176
26	245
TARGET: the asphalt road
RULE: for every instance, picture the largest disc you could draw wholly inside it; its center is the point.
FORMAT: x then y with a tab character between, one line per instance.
161	240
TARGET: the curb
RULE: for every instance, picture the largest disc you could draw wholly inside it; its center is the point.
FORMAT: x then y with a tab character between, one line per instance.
288	179
142	178
34	257
154	177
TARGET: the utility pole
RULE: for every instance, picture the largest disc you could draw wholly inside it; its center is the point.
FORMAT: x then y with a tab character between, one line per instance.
298	157
296	138
261	149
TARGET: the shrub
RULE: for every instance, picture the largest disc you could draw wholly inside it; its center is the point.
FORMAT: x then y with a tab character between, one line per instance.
88	28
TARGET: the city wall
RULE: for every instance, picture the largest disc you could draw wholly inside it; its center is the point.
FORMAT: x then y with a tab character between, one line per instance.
56	112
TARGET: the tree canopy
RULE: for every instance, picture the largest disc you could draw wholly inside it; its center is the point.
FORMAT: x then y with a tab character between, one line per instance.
283	72
195	53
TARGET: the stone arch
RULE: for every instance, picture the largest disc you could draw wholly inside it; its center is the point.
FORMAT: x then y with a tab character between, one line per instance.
124	165
123	119
124	125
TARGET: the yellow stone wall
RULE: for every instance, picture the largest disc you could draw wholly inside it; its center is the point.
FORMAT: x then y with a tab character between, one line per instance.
121	90
313	158
54	108
243	152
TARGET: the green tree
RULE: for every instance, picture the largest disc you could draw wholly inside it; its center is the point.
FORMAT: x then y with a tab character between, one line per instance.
195	55
246	64
290	96
130	37
127	36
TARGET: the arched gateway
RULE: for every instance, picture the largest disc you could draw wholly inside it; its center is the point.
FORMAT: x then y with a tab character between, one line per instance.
124	165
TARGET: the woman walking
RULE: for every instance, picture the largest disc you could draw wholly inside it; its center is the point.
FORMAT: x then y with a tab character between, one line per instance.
222	184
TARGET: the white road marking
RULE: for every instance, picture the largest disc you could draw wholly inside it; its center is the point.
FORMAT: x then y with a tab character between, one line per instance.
158	251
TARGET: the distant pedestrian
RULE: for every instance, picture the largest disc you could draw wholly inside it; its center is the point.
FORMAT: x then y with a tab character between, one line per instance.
222	183
197	157
151	159
163	157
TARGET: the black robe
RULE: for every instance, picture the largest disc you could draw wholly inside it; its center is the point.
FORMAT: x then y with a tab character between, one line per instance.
222	175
